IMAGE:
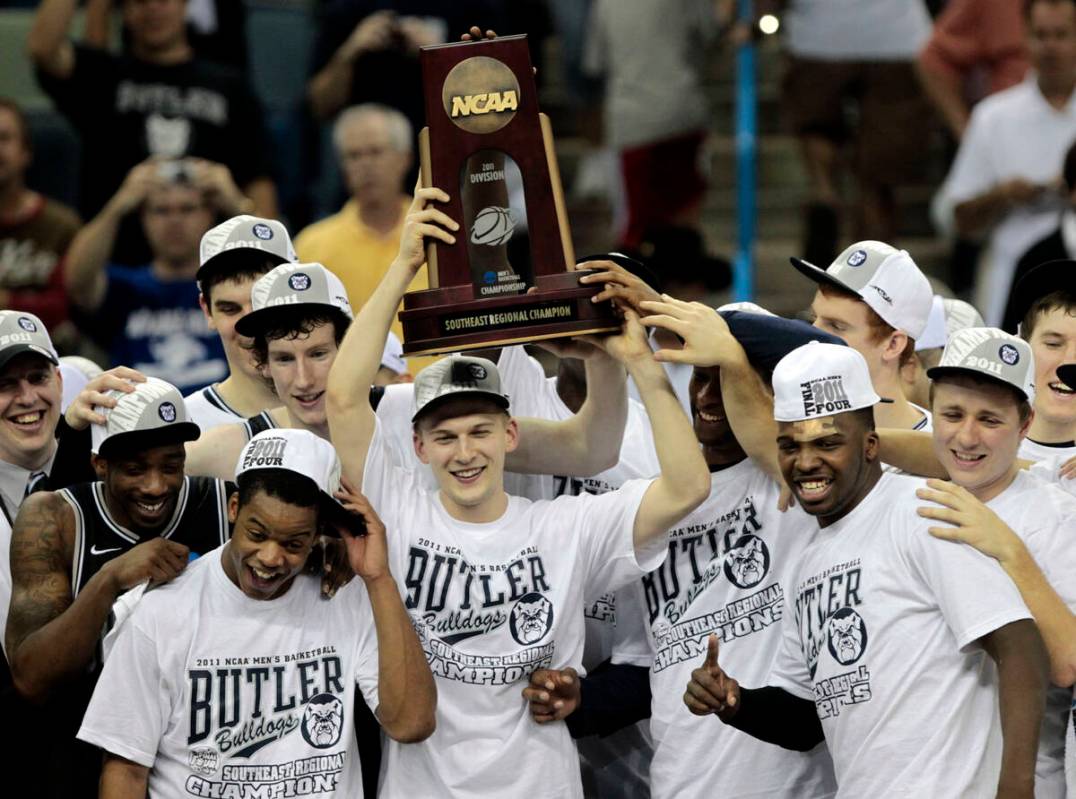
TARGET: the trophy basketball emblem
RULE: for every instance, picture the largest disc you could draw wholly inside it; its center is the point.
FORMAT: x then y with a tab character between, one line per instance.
506	278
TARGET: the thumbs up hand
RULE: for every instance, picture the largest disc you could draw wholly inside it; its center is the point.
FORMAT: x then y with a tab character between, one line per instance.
710	689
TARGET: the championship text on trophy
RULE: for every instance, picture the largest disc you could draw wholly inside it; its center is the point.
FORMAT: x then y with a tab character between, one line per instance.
506	278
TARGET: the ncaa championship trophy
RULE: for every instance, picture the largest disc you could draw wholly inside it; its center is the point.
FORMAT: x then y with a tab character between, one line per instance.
506	278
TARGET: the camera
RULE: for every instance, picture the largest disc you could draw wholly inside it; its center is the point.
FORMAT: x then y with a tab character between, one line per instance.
175	170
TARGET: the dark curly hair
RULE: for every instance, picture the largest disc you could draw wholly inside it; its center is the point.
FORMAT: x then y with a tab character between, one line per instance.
296	322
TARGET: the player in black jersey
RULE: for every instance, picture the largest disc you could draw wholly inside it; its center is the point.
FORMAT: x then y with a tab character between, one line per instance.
74	551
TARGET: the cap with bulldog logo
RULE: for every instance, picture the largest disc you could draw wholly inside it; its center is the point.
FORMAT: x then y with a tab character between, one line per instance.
243	235
23	332
991	353
152	415
291	286
455	376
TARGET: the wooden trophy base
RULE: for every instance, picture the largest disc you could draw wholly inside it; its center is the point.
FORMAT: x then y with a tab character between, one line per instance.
439	321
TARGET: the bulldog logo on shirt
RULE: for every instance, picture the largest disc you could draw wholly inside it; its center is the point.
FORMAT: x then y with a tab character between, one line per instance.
847	637
531	619
747	562
323	720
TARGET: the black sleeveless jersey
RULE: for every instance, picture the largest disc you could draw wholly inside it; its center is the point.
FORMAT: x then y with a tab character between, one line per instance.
199	521
258	424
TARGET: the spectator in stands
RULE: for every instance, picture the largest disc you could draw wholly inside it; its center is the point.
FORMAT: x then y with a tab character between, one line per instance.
655	111
374	145
157	99
35	232
1056	246
216	29
854	55
367	50
149	318
1004	180
971	36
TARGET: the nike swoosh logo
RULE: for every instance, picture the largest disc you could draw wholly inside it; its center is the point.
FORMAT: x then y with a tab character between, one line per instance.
95	551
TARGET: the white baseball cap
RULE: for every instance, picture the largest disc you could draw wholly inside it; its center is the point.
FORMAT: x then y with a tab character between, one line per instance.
885	278
23	332
457	375
991	353
821	379
289	286
152	415
305	454
947	315
244	234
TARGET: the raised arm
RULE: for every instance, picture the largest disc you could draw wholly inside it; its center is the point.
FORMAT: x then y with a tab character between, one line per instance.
709	342
91	249
329	89
587	442
347	403
407	695
48	45
49	637
684	481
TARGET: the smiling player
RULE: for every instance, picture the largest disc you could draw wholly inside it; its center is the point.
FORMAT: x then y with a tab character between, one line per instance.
75	550
872	587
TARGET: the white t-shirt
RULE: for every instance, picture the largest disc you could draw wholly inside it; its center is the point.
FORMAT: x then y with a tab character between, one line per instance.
1034	451
491	603
223	695
881	636
1049	471
619	762
1012	134
727	572
207	409
1045	518
854	30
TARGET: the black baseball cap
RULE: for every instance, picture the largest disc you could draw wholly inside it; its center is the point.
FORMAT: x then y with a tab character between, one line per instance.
1036	283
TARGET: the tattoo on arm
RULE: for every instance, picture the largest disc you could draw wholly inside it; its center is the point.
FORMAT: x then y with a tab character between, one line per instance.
40	566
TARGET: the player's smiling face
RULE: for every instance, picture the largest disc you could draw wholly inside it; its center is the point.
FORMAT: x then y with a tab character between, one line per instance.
270	543
141	488
977	432
1053	343
825	462
467	453
707	407
300	370
30	399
